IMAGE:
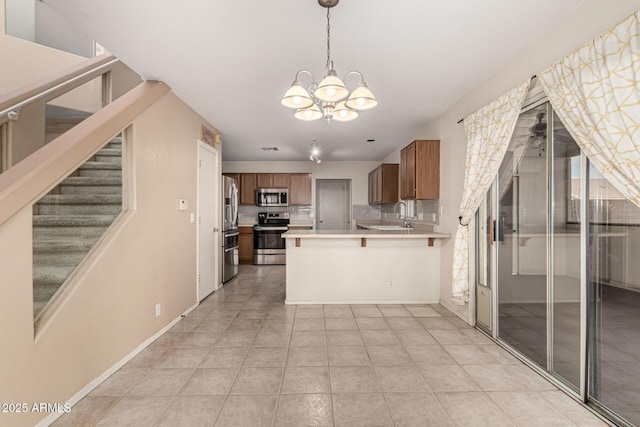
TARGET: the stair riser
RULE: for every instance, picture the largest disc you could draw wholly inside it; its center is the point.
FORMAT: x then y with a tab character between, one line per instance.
70	259
66	232
45	209
103	173
91	189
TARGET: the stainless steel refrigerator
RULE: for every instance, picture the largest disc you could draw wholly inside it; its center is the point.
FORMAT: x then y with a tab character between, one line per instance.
229	228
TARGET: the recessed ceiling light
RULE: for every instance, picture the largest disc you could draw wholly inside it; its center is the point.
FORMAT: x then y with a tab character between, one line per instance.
371	140
270	149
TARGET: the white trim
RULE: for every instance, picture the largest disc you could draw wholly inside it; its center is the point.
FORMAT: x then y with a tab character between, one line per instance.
106	374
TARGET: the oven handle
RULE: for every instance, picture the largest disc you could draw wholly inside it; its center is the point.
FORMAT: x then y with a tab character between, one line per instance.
230	249
270	228
235	233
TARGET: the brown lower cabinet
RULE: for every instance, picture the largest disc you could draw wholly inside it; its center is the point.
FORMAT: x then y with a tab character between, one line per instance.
245	243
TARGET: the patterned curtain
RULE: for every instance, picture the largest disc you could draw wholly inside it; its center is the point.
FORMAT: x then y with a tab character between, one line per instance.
596	93
488	132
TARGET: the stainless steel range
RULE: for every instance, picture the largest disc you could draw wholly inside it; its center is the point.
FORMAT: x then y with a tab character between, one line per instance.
268	244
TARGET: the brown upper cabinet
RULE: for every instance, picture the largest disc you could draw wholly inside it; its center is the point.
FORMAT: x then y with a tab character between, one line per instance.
299	188
420	170
247	189
272	180
383	184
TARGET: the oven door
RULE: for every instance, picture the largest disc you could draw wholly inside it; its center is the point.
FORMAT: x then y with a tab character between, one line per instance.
269	246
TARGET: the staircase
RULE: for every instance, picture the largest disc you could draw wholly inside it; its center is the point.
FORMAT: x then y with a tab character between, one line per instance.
69	220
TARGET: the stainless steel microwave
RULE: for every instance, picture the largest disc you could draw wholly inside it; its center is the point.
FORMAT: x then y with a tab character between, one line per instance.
272	197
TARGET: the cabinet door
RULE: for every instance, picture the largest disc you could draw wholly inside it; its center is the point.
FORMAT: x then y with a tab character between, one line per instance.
300	189
378	184
281	180
370	188
264	180
389	183
247	188
427	167
245	243
408	161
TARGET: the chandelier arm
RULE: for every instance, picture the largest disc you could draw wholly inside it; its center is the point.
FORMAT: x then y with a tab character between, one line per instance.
344	79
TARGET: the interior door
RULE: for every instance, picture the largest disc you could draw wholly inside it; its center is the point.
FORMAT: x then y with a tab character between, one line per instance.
208	233
333	204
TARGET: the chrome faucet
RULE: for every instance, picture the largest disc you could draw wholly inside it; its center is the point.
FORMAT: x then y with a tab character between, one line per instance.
405	222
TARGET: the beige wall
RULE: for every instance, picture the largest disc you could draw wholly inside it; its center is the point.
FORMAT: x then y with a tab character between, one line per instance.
357	172
148	257
580	27
29	62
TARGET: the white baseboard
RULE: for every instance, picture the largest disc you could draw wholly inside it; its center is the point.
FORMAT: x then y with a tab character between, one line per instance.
106	374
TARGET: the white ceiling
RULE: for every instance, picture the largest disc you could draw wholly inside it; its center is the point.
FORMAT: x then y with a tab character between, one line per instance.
233	60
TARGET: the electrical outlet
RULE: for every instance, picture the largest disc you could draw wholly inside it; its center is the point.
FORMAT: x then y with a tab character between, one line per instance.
440	210
158	309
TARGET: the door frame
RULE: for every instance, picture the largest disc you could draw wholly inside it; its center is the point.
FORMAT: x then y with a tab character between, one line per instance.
348	199
216	213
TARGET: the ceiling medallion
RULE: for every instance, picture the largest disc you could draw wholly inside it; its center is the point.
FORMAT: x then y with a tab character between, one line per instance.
329	99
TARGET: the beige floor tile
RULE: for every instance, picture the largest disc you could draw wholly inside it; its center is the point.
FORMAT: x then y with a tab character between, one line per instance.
360	410
388	355
396	311
182	358
214	381
307	356
448	378
243	411
306	380
529	409
87	411
245	324
199	339
308	339
422	311
135	411
168	339
400	379
373	323
415	337
366	311
399	323
473	409
266	357
120	382
350	355
351	379
252	314
338	312
429	355
257	380
476	336
236	338
277	324
296	410
344	338
272	338
191	411
223	313
430	323
469	354
571	409
225	357
308	324
147	358
446	336
212	325
161	382
340	324
306	312
416	410
380	337
500	354
494	377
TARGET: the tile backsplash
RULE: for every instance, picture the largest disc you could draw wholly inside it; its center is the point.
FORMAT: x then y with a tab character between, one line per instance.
420	212
250	213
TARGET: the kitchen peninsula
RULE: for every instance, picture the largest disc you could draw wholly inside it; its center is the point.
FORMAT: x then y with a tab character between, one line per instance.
363	267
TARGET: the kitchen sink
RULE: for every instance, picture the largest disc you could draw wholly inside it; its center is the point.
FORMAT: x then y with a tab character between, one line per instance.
390	227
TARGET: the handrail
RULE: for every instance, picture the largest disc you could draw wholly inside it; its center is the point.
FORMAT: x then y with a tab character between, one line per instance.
78	74
33	177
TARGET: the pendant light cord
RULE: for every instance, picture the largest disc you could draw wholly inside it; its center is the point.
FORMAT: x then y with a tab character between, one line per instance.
328	40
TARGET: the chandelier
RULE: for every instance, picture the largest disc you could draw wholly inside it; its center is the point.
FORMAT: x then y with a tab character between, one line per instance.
330	98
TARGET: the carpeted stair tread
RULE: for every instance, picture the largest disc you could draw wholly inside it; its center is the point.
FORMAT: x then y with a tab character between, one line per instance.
73	220
81	199
92	180
101	165
47	276
70	244
115	152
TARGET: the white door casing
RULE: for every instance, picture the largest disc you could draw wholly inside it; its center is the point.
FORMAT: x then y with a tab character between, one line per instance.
333	204
208	221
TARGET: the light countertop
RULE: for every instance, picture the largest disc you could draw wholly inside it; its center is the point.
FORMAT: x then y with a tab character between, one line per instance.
369	234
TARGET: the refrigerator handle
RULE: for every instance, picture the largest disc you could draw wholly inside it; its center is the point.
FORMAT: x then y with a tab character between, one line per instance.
234	204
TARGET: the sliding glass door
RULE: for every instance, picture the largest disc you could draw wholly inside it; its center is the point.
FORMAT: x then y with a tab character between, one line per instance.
559	247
